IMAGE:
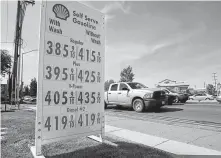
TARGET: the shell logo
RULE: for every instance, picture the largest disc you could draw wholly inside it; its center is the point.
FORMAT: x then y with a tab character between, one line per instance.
60	11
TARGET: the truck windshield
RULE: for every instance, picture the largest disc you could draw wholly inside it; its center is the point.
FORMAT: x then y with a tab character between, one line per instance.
136	85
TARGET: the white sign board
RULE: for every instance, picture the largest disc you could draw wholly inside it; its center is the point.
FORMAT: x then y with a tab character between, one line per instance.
71	72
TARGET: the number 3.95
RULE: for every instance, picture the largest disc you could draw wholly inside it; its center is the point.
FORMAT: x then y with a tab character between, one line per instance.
56	73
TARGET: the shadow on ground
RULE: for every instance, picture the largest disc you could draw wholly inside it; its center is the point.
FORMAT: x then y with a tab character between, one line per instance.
124	149
2	111
168	109
176	104
161	110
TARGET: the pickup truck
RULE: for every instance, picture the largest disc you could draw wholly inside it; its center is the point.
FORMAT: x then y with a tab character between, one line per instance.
134	95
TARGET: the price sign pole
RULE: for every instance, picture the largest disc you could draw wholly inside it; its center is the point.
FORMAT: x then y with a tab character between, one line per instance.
71	73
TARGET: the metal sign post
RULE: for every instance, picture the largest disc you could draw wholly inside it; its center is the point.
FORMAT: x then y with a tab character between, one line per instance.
71	73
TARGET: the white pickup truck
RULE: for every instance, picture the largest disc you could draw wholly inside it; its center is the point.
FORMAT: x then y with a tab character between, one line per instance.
134	95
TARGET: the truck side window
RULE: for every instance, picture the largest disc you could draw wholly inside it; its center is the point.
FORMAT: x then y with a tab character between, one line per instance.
114	87
122	85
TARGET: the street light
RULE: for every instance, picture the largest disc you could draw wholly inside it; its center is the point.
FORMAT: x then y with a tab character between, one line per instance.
22	68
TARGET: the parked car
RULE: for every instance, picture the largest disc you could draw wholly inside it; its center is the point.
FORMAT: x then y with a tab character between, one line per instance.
176	97
170	98
29	100
134	95
201	96
218	98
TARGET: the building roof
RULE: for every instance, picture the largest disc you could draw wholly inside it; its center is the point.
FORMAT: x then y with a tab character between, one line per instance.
168	82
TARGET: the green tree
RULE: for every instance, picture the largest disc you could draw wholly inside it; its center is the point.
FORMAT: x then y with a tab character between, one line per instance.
26	90
6	62
127	75
107	84
210	89
33	87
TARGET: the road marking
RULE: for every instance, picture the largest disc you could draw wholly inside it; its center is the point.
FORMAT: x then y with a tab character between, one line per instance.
167	145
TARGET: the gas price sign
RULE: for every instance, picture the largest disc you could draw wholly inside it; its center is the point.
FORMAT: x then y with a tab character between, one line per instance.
71	72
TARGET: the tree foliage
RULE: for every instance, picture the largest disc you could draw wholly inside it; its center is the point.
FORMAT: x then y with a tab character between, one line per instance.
127	75
33	87
210	89
26	90
107	84
6	62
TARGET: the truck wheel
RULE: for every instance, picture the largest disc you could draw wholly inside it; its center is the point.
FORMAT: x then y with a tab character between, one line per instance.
138	105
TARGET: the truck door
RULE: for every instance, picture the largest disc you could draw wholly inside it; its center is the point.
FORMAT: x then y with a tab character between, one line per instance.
113	93
123	94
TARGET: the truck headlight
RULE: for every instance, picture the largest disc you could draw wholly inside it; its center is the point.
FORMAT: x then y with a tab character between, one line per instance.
147	96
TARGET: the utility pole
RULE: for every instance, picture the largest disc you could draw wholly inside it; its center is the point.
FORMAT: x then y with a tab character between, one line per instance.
21	8
17	40
214	77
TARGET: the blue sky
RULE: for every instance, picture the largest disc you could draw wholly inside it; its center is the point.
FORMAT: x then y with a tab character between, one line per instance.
175	40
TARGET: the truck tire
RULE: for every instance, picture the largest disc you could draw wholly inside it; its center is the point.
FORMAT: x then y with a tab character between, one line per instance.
138	105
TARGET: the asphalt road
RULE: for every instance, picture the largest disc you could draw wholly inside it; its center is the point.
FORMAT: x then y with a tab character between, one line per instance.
199	115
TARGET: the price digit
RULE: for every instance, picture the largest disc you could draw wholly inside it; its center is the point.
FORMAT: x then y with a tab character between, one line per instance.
98	58
56	122
93	56
65	98
92	119
88	54
80	120
65	50
57	72
87	97
65	74
93	76
93	97
98	118
73	52
48	123
80	97
48	97
81	53
86	115
64	121
49	75
56	97
50	51
58	49
80	75
87	76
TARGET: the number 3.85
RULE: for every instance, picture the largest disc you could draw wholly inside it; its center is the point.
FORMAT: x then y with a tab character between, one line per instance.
58	49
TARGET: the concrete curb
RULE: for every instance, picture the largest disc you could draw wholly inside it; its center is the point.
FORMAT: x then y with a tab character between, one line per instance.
167	145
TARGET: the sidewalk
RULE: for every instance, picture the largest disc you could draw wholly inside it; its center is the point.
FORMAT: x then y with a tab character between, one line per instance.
177	140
